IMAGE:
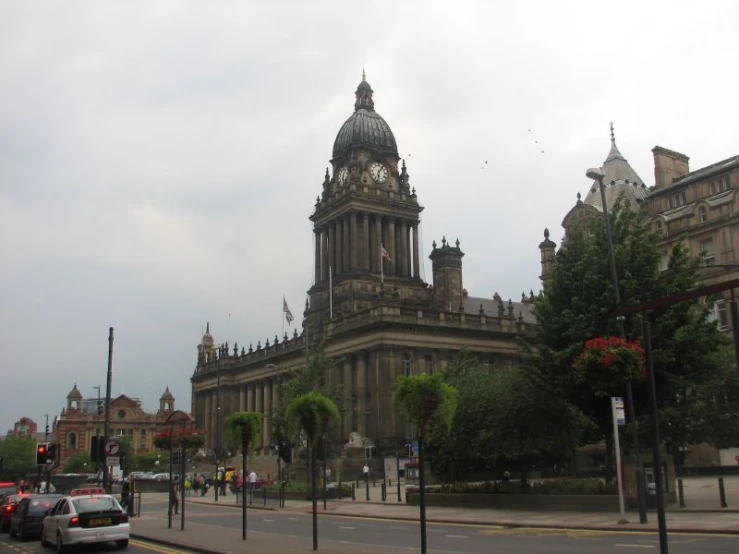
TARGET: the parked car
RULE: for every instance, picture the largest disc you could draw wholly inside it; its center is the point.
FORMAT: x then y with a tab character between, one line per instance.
8	487
7	509
29	513
97	518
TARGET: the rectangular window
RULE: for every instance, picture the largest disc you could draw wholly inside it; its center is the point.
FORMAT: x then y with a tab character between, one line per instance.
707	254
719	314
407	366
664	261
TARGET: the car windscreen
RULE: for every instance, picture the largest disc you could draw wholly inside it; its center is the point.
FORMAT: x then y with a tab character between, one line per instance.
8	489
38	506
95	504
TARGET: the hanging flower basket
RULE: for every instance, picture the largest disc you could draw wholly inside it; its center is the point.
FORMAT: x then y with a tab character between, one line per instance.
607	363
190	439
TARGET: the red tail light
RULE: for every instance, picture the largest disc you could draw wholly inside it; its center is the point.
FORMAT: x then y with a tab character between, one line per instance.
9	508
74	522
124	518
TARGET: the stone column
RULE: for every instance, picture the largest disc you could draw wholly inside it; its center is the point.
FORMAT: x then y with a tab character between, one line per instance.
337	247
215	403
416	261
361	394
348	396
206	417
275	393
317	238
365	242
242	398
353	241
267	422
375	255
345	245
392	267
403	253
250	397
330	248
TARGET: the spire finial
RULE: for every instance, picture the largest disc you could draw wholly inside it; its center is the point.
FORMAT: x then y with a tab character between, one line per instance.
364	75
613	135
207	327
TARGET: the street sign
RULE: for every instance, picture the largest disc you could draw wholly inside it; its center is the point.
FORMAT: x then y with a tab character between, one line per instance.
618	403
414	448
112	447
112	461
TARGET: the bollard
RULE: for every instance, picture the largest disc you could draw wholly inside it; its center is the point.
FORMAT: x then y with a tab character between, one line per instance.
400	499
357	482
264	494
722	492
680	493
391	482
384	491
354	492
373	483
367	487
339	491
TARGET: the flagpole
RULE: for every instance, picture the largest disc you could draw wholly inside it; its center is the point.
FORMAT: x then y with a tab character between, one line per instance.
284	316
330	294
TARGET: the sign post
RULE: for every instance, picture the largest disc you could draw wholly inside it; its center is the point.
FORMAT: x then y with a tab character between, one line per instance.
619	418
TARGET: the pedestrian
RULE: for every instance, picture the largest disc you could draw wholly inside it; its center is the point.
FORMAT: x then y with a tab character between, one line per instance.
365	472
203	485
126	493
328	474
223	484
252	481
195	484
174	498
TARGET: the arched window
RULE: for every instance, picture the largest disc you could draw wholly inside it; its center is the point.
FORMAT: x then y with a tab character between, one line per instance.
72	441
73	405
429	364
407	365
166	406
703	214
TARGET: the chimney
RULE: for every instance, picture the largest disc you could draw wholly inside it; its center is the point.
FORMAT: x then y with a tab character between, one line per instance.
668	166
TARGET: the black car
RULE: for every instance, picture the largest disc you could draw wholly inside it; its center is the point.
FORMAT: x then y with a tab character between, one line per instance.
30	513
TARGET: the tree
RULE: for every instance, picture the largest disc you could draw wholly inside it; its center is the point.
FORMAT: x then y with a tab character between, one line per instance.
251	420
502	418
577	303
78	464
311	412
313	378
18	454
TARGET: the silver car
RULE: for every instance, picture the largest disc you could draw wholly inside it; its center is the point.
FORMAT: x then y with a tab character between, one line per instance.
93	518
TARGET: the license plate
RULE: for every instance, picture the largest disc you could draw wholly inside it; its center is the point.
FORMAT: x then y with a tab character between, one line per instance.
99	522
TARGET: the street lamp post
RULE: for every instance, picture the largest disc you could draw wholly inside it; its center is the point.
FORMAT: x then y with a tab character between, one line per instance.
218	428
597	174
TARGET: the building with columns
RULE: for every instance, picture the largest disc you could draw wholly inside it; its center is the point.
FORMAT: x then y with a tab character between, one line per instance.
80	421
380	319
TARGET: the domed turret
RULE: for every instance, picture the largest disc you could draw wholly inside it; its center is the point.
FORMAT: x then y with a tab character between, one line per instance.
166	401
365	127
74	398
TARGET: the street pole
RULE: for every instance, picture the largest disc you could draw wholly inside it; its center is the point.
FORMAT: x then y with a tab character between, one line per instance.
397	472
216	480
617	448
422	493
109	384
656	457
599	175
46	440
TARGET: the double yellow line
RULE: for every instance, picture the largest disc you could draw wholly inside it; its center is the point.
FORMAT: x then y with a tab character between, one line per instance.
157	547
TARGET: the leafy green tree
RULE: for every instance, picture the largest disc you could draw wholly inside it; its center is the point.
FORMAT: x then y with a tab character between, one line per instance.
18	454
79	463
238	420
312	378
502	418
411	397
578	302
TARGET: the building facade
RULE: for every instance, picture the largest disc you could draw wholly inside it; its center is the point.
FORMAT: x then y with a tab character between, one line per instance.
80	421
377	316
25	426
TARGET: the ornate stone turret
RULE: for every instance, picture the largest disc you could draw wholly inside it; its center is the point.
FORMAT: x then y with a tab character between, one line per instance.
74	399
547	257
446	263
206	348
166	402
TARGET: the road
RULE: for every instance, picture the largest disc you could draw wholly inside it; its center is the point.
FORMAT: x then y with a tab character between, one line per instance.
14	546
442	538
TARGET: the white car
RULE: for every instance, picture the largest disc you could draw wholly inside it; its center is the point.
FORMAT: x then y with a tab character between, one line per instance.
93	518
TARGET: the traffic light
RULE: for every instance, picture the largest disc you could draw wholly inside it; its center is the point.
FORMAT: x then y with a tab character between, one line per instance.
285	451
100	407
97	450
52	452
42	453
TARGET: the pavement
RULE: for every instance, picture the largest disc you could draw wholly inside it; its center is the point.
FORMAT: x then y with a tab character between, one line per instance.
703	514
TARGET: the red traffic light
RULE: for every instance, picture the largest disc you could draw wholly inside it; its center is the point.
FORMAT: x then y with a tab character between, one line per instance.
41	449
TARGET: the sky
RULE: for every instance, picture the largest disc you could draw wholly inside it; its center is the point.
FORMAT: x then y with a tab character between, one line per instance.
159	159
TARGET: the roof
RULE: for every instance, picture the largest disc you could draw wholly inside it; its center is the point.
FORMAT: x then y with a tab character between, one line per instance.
472	307
620	180
702	174
365	127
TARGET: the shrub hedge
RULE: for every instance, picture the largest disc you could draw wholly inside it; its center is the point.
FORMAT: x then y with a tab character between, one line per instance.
546	486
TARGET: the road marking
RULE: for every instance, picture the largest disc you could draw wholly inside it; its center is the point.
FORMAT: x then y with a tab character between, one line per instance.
155	547
269	520
456	536
634	545
346	527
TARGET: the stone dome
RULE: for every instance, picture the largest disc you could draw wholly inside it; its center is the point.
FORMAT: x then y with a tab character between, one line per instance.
365	127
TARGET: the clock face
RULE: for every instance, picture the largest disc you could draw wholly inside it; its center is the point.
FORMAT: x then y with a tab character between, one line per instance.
343	176
378	172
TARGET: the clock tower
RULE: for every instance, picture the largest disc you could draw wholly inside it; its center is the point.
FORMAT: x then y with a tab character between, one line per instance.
365	223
